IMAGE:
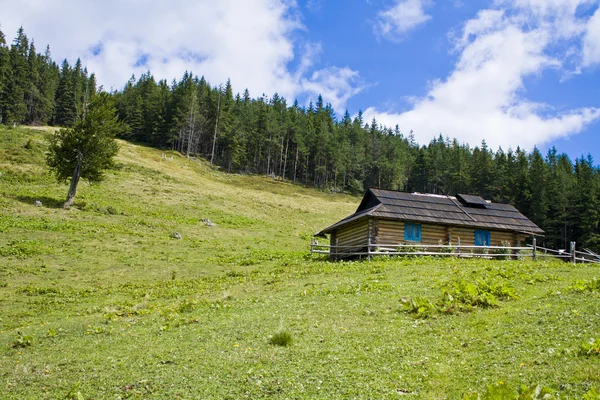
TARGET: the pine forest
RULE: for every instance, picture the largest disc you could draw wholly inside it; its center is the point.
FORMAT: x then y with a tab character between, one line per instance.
306	144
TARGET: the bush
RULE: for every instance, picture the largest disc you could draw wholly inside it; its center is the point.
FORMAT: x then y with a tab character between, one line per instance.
504	243
445	249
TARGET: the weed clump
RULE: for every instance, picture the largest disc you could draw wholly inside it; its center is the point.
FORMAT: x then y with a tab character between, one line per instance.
504	251
590	348
422	307
592	394
281	338
460	295
22	341
592	285
504	391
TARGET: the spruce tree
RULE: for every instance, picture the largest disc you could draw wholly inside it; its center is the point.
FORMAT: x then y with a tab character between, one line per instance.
587	204
17	83
65	111
539	197
4	75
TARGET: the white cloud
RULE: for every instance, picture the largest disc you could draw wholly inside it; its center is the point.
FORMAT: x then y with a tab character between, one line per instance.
591	43
403	17
336	84
483	97
249	41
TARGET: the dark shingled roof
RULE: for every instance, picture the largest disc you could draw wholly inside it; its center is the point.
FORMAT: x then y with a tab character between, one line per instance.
462	210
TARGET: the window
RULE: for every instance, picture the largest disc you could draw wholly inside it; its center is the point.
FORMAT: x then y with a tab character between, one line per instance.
412	232
482	238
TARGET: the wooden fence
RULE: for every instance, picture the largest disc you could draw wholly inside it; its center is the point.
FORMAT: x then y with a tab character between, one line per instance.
466	251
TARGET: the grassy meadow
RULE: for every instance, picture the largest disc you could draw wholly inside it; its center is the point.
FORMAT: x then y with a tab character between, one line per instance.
100	302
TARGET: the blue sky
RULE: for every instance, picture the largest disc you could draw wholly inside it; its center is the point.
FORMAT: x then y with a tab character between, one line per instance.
513	72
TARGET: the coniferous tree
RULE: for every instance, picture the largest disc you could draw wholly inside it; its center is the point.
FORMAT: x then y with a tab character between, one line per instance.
4	75
561	188
49	76
538	171
587	204
17	82
65	111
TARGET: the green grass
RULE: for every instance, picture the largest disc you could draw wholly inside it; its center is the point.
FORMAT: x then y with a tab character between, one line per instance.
99	302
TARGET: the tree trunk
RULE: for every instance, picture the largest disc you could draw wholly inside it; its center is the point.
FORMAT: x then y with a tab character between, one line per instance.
287	143
212	155
74	182
281	159
269	155
296	164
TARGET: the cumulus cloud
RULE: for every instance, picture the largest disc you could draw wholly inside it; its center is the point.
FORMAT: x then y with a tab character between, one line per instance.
251	41
403	17
591	43
336	84
483	97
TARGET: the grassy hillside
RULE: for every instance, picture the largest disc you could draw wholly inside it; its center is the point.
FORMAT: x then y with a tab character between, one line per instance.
100	302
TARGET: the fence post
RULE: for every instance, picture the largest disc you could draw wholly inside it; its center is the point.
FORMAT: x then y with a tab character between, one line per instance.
458	246
369	250
534	249
573	255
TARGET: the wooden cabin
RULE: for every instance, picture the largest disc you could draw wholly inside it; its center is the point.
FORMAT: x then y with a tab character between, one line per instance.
386	218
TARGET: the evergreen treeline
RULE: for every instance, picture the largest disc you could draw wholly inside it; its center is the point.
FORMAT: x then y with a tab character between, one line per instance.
34	90
308	145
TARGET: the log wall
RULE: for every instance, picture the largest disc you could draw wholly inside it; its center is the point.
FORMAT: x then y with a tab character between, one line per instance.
390	232
352	238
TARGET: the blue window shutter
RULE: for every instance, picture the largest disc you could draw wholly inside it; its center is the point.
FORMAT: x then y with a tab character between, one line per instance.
482	238
412	232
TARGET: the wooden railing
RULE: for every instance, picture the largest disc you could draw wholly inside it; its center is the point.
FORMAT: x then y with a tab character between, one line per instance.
369	250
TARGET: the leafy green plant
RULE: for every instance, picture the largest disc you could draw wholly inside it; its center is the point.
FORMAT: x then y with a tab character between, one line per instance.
590	348
445	249
504	391
422	307
592	285
461	295
22	341
592	394
505	251
74	393
23	249
187	305
535	392
281	338
408	248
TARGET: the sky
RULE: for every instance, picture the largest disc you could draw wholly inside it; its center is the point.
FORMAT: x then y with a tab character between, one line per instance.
511	72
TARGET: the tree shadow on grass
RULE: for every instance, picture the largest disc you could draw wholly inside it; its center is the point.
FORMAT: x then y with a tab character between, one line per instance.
47	202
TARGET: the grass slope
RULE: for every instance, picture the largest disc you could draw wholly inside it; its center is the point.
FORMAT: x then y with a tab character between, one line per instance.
99	302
